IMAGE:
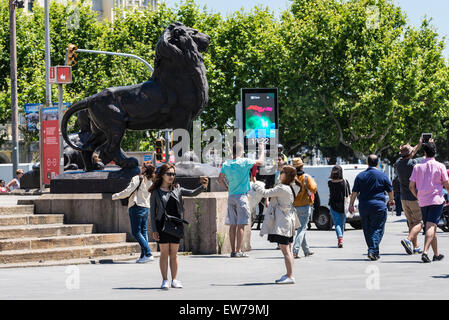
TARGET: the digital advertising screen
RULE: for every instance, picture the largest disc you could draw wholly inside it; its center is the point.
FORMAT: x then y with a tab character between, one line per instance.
260	113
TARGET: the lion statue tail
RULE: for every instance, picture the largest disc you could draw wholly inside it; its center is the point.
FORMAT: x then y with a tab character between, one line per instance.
78	106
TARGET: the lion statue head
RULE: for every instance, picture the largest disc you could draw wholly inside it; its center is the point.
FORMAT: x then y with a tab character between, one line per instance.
182	46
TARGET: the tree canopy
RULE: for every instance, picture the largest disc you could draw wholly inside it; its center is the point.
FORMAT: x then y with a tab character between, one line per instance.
353	77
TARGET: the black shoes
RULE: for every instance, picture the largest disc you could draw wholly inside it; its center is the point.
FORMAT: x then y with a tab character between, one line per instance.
373	257
425	258
438	258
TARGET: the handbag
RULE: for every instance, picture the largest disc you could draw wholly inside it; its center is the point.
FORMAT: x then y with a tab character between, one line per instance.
297	223
125	201
347	200
172	225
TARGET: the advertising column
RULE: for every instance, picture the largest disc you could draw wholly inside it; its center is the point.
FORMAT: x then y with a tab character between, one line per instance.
50	137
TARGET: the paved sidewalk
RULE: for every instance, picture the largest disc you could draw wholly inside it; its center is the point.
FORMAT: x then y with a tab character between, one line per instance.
331	273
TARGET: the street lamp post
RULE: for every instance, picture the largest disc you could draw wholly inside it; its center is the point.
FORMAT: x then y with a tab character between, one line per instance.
13	65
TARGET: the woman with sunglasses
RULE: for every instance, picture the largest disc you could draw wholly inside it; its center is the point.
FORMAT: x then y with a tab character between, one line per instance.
138	206
280	221
166	198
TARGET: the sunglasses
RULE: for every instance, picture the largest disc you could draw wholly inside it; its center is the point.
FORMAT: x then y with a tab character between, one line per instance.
171	174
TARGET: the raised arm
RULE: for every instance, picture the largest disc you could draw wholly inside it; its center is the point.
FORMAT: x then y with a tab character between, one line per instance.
416	148
267	193
128	190
192	193
261	160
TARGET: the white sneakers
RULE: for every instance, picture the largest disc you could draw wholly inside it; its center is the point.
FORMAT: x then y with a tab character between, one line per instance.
145	259
285	280
174	284
165	285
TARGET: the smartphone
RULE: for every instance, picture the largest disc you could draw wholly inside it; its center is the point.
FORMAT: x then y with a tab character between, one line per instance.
426	137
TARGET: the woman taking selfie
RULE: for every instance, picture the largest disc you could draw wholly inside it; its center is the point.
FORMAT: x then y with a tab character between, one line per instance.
280	221
166	206
138	206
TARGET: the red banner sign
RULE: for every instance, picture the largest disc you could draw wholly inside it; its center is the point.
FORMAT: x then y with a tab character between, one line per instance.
50	152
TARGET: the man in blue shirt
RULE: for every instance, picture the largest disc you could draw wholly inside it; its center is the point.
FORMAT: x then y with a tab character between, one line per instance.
370	186
236	171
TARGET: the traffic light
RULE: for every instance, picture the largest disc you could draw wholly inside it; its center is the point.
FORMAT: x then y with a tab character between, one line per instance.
159	148
71	54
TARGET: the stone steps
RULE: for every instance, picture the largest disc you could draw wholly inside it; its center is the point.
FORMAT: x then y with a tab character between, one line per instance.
42	230
61	241
125	258
17	220
79	252
30	240
14	210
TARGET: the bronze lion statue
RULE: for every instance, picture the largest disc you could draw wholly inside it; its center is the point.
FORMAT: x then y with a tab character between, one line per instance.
172	98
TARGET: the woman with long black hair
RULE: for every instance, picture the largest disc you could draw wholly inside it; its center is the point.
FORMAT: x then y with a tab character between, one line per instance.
339	190
166	199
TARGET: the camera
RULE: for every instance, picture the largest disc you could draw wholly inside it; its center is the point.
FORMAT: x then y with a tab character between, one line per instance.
426	137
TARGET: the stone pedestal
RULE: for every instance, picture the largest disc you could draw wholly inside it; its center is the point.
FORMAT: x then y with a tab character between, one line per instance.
206	234
110	180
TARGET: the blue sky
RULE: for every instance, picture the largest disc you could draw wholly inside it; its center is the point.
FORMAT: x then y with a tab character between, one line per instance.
438	10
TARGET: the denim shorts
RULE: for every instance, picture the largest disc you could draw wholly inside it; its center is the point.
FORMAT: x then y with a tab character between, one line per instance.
432	213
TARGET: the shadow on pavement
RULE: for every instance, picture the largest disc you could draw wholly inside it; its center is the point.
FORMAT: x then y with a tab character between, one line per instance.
349	260
409	261
246	284
443	276
137	289
213	257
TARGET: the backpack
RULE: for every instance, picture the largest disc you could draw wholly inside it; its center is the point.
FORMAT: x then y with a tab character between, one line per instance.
310	193
125	201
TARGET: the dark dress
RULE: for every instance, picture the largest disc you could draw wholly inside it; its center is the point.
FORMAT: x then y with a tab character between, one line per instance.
172	210
280	239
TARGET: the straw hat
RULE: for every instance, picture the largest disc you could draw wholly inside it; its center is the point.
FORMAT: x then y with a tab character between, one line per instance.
297	162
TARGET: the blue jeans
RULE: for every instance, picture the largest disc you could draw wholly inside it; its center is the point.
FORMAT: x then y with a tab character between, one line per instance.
339	222
373	224
300	240
138	217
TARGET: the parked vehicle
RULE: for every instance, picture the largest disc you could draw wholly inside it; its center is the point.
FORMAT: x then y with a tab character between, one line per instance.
443	224
321	213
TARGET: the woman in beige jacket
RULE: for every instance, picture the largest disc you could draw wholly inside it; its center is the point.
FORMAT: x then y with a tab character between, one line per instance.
138	207
280	220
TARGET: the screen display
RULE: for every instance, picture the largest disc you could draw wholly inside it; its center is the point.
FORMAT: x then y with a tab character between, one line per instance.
260	113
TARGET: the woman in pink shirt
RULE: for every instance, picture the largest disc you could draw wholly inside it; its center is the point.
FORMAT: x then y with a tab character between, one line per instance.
426	184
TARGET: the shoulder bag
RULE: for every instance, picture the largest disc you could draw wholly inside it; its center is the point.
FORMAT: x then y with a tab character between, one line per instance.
347	200
172	225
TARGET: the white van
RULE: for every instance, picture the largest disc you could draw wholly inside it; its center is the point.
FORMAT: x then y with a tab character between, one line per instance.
321	214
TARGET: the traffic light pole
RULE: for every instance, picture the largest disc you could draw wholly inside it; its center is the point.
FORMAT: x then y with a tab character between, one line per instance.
118	54
14	106
167	145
